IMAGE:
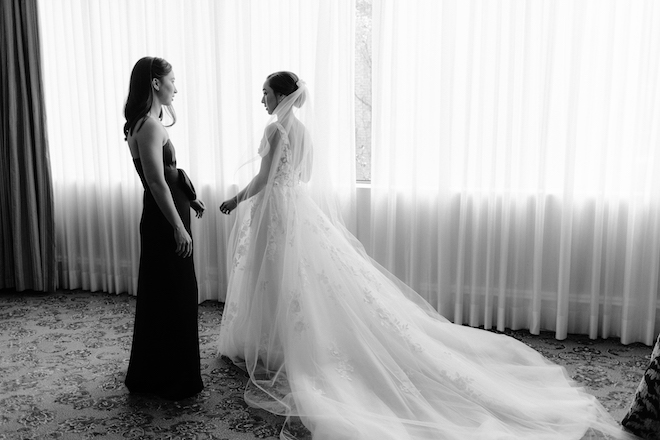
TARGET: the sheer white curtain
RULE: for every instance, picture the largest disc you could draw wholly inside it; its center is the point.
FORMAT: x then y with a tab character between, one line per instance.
515	164
221	52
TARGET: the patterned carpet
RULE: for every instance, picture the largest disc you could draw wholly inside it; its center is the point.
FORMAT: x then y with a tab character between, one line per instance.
63	358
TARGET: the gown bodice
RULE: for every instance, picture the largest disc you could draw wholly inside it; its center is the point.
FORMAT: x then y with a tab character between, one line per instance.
173	179
169	166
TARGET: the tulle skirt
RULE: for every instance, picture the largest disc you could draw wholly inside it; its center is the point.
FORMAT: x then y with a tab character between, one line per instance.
329	336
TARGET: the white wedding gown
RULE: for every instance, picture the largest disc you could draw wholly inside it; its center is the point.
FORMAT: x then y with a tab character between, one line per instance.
327	335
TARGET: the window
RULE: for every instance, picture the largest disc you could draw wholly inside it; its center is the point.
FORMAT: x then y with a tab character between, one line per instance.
363	91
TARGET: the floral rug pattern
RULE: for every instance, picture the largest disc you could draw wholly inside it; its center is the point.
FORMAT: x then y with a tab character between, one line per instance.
63	358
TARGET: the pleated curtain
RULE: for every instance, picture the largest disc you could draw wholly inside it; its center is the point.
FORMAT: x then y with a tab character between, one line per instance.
27	228
514	144
516	167
221	53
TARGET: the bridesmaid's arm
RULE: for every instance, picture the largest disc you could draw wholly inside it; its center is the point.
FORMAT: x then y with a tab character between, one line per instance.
198	206
151	138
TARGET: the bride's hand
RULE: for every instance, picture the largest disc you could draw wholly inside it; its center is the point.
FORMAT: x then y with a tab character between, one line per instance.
229	205
199	207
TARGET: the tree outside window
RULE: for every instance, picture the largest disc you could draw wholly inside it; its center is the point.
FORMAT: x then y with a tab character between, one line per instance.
363	91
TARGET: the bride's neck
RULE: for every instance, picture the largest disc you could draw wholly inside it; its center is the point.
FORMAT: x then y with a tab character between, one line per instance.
288	116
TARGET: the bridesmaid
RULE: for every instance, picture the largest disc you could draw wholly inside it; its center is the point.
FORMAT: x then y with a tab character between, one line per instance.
165	357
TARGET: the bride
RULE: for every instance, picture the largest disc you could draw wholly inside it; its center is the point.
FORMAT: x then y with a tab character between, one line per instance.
329	336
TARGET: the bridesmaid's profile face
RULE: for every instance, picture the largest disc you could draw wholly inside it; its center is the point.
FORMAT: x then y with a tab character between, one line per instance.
166	88
269	99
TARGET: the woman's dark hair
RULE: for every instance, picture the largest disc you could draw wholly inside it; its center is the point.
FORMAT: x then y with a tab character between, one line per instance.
285	83
140	93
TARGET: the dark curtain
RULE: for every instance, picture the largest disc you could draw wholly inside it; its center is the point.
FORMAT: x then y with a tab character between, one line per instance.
27	240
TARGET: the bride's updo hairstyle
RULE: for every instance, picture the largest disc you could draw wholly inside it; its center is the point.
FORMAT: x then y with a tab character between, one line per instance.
285	83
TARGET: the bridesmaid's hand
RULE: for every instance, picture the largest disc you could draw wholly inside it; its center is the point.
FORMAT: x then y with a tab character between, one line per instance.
199	207
183	242
229	205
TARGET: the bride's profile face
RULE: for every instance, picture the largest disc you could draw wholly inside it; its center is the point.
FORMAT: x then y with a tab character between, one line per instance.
269	98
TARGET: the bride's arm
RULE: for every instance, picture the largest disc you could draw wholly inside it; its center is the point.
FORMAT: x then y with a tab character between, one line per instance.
258	182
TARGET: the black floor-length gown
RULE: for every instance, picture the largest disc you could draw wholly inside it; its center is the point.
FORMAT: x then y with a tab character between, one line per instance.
165	358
